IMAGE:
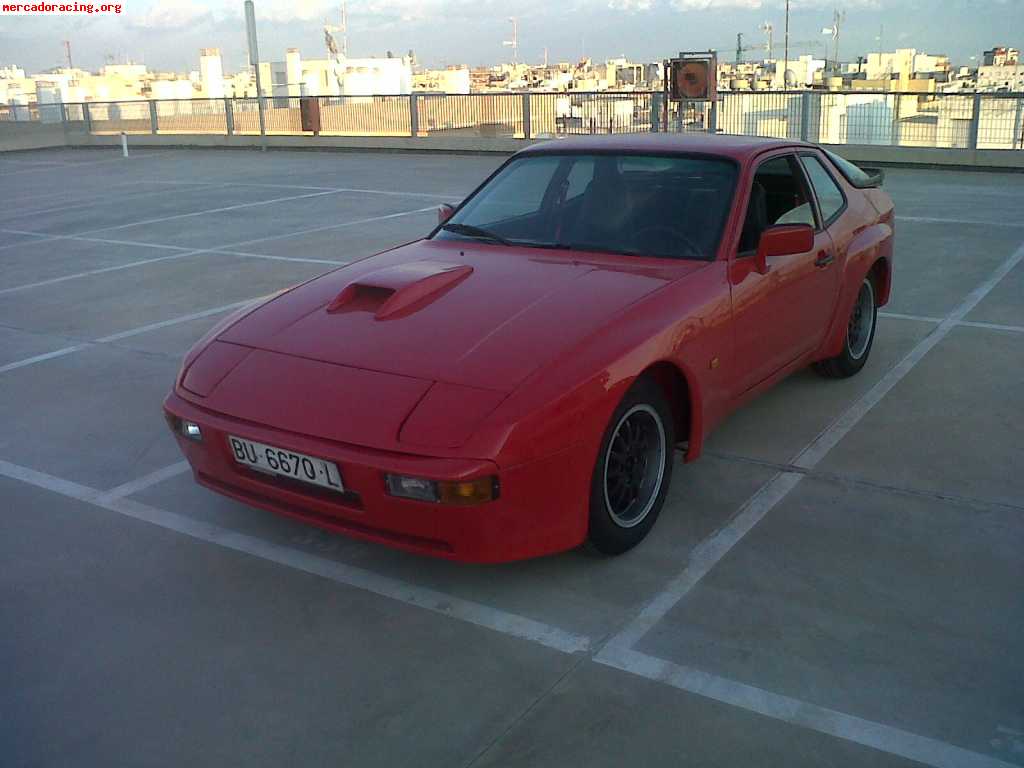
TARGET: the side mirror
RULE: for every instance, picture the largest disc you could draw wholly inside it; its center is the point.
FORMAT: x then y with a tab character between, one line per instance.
444	212
783	240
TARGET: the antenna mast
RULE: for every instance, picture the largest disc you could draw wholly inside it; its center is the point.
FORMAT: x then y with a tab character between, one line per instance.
514	42
768	30
67	53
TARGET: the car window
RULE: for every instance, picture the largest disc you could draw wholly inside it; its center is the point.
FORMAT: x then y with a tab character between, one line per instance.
519	191
830	196
580	175
665	206
778	195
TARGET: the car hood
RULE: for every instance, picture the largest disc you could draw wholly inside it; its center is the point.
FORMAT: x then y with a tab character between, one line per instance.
467	314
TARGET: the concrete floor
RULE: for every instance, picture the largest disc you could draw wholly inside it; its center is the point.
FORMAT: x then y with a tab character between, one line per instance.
818	592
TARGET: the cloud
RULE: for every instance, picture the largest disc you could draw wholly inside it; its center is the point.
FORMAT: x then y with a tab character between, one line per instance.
297	10
711	5
168	14
630	5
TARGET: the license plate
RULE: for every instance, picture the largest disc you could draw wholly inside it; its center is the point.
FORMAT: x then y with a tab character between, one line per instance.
278	461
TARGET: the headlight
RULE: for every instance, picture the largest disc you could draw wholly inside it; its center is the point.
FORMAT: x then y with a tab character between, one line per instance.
464	493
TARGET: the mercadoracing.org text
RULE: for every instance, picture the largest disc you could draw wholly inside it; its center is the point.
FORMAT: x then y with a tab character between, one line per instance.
38	9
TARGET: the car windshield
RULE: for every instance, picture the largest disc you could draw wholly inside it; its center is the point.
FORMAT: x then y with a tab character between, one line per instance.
641	205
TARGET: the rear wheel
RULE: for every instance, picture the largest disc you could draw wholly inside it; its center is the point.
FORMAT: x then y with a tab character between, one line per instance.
860	335
633	470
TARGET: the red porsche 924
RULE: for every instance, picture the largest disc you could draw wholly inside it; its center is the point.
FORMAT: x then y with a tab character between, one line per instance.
514	384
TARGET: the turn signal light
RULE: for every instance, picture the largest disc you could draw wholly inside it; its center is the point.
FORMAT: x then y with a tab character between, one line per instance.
464	493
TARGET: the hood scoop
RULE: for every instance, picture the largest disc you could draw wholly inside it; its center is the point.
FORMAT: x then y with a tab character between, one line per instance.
399	290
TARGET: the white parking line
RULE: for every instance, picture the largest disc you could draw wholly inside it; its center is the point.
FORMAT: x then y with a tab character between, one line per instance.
68	166
823	443
267	256
992	326
100	271
327	227
919	318
454	607
884	738
711	551
125	335
176	321
228	249
141	483
223	209
23	242
962	323
703	558
41	358
398	193
98	201
947	220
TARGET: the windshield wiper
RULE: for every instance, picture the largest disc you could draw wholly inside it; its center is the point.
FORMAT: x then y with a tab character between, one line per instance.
470	230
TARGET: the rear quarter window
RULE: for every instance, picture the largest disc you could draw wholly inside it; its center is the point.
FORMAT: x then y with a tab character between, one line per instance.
854	174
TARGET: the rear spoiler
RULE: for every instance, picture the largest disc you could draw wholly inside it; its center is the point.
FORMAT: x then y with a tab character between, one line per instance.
875	178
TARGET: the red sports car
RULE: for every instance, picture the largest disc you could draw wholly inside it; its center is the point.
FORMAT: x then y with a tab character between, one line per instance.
514	384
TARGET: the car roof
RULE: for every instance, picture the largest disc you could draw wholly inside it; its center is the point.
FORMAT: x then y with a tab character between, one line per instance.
734	147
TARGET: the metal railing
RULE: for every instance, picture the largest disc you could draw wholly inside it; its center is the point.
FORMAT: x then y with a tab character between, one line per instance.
966	121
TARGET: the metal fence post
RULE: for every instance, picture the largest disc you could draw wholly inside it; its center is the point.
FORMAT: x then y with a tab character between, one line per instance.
414	116
86	117
972	136
894	129
1017	142
152	116
229	116
805	116
527	128
712	126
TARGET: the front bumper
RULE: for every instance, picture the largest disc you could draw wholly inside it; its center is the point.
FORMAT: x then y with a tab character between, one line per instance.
541	509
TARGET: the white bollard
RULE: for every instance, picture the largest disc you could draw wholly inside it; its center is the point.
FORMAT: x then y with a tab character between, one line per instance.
124	143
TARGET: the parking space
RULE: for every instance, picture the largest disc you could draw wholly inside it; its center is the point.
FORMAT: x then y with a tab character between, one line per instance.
836	582
882	605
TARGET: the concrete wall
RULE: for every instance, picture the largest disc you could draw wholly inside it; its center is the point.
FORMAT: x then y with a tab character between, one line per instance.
989	159
35	135
16	136
383	143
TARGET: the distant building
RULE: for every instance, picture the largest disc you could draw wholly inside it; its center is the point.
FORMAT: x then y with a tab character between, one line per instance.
905	64
211	73
450	80
1000	57
1001	77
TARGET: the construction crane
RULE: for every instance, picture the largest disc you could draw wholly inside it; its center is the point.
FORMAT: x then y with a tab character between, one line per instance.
767	45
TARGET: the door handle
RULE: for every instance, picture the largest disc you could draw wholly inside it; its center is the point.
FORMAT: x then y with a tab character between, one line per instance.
824	259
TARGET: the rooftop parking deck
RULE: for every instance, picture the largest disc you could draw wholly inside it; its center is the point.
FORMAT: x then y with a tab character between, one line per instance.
836	582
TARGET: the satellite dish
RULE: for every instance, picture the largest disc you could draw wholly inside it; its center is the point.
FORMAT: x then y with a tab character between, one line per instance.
790	77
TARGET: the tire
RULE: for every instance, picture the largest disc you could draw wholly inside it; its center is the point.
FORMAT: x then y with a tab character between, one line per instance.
635	460
860	336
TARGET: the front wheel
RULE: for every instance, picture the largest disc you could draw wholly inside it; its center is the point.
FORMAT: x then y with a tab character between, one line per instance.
633	470
860	335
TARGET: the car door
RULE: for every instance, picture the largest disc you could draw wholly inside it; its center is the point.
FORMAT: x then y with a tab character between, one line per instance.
782	314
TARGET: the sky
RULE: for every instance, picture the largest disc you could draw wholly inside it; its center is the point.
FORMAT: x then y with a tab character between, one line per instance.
167	35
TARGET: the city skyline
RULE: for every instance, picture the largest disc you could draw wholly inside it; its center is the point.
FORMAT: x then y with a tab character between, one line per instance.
165	36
